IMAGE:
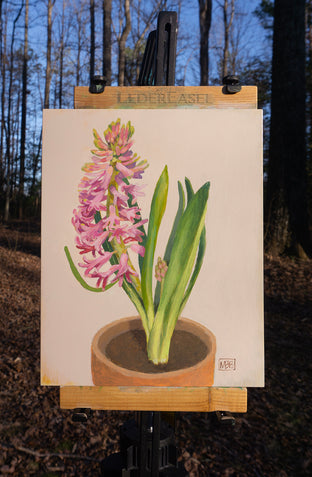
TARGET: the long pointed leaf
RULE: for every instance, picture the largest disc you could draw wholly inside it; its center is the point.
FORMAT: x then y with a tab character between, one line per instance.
198	265
189	189
178	274
158	206
175	223
171	238
200	253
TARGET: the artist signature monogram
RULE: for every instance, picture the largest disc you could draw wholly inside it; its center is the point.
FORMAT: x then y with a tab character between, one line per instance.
227	364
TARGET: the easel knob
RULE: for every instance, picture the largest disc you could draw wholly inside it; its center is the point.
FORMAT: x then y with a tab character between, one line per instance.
97	85
232	84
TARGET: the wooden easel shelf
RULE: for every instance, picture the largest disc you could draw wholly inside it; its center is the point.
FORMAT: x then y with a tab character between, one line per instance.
131	398
165	97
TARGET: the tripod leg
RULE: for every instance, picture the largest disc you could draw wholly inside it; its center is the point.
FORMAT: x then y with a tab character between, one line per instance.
155	444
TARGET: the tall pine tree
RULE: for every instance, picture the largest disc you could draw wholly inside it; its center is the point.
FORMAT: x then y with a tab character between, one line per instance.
286	200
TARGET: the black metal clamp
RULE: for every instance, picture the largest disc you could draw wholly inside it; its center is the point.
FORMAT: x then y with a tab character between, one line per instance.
231	84
97	84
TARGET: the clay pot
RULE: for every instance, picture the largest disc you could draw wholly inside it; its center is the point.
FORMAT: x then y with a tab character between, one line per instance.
110	361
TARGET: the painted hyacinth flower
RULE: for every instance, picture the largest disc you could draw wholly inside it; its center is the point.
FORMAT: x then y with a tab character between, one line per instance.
108	225
107	220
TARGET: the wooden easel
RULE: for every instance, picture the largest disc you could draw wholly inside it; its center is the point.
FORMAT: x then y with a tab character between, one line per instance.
150	454
131	398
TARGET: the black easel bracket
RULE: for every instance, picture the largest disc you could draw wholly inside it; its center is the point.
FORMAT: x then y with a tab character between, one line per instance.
159	59
147	71
166	45
231	84
97	84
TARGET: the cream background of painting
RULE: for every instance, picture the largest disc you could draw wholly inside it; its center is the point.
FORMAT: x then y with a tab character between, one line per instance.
223	146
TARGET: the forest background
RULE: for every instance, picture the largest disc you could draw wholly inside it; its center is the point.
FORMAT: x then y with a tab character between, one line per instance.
45	52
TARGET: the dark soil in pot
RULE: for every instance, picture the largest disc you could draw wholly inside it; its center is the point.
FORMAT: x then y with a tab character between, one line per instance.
186	350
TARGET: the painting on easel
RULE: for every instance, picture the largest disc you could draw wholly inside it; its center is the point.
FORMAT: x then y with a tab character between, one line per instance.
153	275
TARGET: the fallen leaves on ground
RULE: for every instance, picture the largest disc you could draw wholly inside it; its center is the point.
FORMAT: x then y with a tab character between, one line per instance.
273	439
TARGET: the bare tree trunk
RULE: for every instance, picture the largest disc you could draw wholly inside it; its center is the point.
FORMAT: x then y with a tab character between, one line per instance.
92	40
48	56
227	22
78	54
35	164
9	158
23	119
205	7
286	204
80	21
309	103
15	149
61	64
122	44
3	102
107	41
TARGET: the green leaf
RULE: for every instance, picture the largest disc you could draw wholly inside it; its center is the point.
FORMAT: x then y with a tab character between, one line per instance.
175	223
79	277
189	189
181	264
171	238
198	265
97	216
200	253
158	206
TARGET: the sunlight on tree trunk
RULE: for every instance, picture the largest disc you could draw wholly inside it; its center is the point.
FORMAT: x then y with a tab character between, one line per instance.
48	75
122	44
227	23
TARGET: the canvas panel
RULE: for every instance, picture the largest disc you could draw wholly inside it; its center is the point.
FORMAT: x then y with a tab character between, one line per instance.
220	146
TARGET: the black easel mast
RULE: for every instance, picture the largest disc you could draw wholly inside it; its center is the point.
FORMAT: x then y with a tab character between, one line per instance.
147	442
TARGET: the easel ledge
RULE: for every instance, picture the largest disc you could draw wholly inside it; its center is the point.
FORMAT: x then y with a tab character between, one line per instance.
132	398
165	97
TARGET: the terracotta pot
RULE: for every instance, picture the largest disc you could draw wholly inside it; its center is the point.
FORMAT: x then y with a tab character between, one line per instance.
106	372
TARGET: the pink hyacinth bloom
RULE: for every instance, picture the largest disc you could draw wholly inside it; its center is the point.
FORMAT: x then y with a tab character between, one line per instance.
134	190
95	263
130	214
124	270
139	249
105	213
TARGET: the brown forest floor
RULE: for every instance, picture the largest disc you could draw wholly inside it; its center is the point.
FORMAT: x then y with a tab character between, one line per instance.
37	438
